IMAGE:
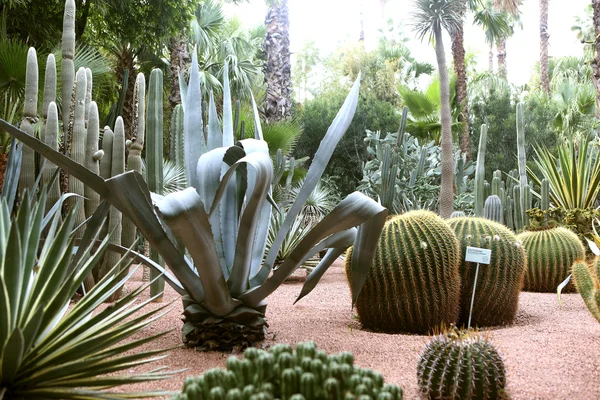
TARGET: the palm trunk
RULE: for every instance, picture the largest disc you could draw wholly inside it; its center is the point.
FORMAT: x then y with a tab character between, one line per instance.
596	60
361	35
544	68
458	54
491	59
278	75
447	162
501	47
179	59
125	61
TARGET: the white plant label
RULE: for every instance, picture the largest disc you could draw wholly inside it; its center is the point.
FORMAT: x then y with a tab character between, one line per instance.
478	255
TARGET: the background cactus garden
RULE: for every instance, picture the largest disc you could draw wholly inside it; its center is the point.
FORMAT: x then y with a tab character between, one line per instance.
192	208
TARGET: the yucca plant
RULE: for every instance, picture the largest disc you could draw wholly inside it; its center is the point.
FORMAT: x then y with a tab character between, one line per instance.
50	348
574	176
223	221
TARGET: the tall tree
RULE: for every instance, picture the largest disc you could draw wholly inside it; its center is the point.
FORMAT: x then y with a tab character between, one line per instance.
432	17
544	35
278	75
495	24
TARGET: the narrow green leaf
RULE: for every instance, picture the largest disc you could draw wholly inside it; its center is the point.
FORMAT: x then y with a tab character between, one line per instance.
11	272
12	172
12	356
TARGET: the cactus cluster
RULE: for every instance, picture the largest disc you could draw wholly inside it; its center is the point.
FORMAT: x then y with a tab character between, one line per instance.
550	255
303	373
499	283
461	365
493	209
414	283
587	281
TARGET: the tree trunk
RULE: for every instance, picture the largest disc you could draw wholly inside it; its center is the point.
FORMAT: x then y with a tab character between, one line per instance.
458	54
278	75
447	162
544	35
491	59
501	46
125	61
596	60
361	35
180	58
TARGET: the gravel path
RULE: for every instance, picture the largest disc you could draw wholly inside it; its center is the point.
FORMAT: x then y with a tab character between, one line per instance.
550	352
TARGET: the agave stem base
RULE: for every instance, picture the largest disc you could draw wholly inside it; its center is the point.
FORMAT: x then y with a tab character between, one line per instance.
215	334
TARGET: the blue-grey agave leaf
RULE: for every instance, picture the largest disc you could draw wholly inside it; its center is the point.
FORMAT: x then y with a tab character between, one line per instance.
316	274
258	135
183	88
356	209
260	239
215	136
186	215
335	132
260	175
193	127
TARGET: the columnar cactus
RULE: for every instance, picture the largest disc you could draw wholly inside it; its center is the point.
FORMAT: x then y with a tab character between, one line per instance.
517	210
78	143
305	373
493	209
30	118
587	282
134	159
67	66
550	255
92	158
499	283
461	365
154	155
545	200
414	283
176	147
49	133
480	172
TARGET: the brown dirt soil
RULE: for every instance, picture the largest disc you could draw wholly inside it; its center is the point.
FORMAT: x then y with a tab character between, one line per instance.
549	353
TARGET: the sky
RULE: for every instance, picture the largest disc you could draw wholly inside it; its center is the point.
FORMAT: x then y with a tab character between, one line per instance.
331	22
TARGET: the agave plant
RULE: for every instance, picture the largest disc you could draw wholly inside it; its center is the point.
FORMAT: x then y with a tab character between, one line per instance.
223	221
48	349
574	177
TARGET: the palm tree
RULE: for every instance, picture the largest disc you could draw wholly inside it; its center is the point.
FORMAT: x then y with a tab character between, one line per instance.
496	26
278	64
432	17
512	8
544	35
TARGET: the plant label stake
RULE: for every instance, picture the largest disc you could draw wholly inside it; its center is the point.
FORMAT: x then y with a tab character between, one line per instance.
479	256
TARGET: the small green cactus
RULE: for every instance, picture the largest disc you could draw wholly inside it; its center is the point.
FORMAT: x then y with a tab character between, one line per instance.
414	283
458	214
587	282
550	255
283	373
499	283
493	209
461	365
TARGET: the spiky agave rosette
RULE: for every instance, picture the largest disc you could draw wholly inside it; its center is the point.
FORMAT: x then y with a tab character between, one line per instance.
460	364
243	327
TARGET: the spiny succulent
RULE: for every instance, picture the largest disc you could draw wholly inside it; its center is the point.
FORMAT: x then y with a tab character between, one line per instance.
303	373
414	283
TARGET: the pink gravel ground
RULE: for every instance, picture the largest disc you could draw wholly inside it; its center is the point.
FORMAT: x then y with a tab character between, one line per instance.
549	353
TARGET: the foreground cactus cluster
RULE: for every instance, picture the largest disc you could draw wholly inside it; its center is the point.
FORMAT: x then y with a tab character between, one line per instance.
289	374
461	365
587	281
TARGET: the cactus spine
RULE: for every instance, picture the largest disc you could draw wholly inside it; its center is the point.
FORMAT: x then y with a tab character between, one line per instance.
287	374
49	133
30	118
480	172
414	283
587	281
499	283
461	365
154	155
493	209
78	142
68	52
550	255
